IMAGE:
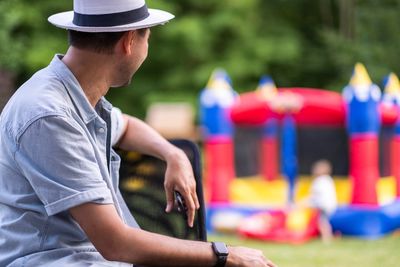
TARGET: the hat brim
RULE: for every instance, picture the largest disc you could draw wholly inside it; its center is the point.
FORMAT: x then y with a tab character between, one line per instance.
156	17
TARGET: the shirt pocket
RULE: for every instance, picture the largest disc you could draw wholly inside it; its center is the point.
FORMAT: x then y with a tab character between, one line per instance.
115	164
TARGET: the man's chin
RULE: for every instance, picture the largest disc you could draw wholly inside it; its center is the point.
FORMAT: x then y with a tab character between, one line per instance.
122	85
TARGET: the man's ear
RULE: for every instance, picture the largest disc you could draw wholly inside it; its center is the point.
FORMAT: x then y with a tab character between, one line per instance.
127	41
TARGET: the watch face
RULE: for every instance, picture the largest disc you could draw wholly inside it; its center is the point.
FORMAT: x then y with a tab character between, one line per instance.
221	248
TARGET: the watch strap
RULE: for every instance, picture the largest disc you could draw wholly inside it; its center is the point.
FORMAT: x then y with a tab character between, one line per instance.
221	261
221	257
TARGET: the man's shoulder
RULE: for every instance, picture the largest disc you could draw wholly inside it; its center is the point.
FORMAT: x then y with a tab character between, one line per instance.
41	96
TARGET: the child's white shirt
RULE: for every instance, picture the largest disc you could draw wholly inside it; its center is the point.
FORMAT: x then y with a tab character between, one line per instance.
323	194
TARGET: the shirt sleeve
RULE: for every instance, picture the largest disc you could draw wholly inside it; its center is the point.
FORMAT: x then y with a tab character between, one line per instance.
58	159
118	125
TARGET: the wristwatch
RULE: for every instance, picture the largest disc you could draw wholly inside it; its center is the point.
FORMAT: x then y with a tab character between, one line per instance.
222	253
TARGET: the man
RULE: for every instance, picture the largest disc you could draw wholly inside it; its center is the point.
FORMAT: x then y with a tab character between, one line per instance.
59	198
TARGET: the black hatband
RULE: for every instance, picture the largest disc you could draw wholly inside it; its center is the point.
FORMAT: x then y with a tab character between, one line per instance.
110	20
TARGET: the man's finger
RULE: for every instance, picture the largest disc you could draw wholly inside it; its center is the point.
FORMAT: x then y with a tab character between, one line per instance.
170	199
191	208
196	199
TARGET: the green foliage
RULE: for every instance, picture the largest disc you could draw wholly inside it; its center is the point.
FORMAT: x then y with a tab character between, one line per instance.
303	43
374	43
11	40
27	41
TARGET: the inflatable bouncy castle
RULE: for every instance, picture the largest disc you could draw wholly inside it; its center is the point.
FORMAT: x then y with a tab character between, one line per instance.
368	203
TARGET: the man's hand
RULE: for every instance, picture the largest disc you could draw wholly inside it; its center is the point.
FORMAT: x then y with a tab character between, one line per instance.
179	177
138	136
247	257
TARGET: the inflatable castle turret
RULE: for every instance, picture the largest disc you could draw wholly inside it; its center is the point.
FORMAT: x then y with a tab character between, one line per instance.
364	216
363	124
391	97
215	103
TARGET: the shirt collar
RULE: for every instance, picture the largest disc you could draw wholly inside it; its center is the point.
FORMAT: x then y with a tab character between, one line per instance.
85	109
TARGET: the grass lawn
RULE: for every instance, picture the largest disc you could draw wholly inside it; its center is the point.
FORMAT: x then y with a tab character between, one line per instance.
342	252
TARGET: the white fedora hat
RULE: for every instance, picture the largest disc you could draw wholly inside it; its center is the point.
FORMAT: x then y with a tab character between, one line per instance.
109	16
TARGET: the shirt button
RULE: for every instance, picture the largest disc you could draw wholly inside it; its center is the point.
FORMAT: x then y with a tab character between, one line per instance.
101	130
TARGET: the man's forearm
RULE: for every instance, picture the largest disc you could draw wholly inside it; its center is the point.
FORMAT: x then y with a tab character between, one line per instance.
140	137
151	249
118	242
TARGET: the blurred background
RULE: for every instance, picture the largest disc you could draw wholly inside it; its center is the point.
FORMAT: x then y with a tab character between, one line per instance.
303	43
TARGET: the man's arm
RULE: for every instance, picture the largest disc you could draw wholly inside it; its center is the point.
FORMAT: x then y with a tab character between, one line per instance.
118	242
140	137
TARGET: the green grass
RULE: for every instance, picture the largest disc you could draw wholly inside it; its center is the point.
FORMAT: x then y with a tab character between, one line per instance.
342	252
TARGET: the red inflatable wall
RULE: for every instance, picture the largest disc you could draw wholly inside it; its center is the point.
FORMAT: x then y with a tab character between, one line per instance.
219	168
364	168
269	158
395	162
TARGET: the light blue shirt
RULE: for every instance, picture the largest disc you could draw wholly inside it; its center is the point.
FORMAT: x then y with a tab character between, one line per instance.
52	158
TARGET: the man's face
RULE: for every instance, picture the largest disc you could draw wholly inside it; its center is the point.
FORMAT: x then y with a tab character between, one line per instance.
140	47
132	62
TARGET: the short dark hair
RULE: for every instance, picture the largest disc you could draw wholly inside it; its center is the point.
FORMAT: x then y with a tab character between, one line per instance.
99	42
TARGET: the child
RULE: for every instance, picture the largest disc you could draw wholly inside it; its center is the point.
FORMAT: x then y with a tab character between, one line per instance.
323	197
